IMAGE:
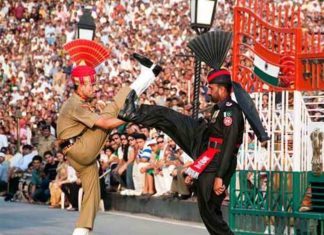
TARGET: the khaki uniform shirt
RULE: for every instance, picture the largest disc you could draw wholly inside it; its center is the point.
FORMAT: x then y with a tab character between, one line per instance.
74	118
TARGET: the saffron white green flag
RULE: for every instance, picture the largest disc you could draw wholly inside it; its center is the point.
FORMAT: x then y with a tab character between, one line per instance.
266	66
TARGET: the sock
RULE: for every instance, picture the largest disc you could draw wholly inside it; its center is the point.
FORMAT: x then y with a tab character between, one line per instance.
144	80
81	231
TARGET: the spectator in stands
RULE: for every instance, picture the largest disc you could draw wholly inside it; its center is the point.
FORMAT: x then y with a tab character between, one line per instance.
70	186
50	166
170	163
3	175
159	181
19	164
133	164
19	10
138	176
150	151
132	129
27	156
3	138
40	191
160	99
126	167
8	156
111	163
146	131
46	141
61	174
178	186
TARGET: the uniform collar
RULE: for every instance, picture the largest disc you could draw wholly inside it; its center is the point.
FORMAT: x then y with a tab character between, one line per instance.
76	96
222	103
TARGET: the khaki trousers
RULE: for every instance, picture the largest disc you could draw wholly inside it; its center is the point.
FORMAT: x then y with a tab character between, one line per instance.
82	156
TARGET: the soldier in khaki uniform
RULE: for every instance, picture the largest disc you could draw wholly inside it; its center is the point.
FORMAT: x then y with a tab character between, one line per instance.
83	133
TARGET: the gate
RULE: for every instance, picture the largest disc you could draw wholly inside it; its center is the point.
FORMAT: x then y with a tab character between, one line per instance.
276	60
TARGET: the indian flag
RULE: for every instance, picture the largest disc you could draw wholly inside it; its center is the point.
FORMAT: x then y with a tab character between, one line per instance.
266	65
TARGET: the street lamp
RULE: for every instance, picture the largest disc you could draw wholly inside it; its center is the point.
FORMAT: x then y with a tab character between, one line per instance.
86	26
202	14
18	116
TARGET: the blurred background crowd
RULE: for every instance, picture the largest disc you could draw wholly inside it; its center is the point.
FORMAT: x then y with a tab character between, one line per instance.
34	82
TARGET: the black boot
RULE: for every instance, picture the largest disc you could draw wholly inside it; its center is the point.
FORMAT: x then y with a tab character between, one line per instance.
147	63
128	112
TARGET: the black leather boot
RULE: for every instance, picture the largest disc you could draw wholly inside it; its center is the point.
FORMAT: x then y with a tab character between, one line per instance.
147	63
128	112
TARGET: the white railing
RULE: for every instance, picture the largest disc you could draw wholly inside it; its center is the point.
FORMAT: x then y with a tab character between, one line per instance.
286	119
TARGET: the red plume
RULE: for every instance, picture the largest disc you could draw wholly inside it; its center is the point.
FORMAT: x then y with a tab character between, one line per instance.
91	52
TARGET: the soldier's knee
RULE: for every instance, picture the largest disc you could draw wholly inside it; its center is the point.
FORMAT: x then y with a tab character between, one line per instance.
88	160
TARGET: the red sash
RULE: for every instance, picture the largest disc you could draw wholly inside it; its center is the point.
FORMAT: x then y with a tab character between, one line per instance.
201	162
205	158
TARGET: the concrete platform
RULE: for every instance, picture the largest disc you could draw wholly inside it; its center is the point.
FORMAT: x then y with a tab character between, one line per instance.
186	210
28	219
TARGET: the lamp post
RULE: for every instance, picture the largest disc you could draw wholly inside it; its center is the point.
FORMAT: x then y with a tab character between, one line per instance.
18	116
202	14
86	25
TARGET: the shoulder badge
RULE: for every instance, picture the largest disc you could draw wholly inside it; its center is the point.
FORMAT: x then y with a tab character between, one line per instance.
228	104
228	121
228	114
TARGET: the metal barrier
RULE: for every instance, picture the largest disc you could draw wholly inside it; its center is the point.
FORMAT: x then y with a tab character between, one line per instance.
268	202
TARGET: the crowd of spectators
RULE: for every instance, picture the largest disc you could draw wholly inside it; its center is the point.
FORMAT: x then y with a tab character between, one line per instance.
34	83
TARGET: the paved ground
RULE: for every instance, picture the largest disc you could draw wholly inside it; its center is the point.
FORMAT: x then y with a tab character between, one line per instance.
26	219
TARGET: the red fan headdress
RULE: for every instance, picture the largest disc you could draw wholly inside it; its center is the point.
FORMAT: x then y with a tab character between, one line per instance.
87	55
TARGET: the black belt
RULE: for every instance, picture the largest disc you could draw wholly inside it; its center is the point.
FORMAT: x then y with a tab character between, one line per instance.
68	142
214	145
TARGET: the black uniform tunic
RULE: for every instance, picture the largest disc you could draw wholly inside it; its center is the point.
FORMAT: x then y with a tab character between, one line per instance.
192	136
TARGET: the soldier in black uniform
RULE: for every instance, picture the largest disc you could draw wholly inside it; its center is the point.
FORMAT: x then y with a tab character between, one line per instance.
213	144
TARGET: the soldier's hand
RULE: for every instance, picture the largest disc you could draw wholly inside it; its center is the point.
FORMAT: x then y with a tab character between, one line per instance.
100	105
219	187
88	106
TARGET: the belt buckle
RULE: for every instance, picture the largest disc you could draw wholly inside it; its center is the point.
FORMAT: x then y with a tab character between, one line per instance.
212	145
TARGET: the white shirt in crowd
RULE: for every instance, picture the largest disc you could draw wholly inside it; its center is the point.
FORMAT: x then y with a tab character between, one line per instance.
3	141
71	174
24	161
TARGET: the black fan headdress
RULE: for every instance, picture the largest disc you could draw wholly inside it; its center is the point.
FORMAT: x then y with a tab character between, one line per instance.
212	47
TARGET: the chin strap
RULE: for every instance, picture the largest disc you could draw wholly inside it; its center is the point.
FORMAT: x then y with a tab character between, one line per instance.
81	96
